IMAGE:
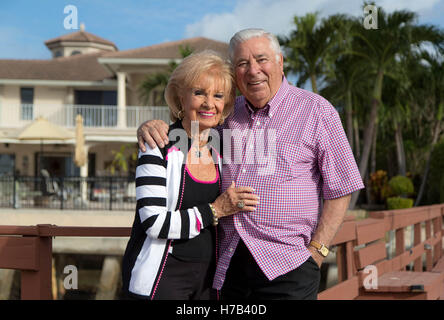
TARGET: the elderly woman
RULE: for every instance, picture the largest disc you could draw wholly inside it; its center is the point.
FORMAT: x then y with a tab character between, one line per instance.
172	249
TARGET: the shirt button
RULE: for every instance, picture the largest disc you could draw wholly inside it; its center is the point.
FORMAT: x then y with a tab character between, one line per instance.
244	170
258	123
231	249
239	224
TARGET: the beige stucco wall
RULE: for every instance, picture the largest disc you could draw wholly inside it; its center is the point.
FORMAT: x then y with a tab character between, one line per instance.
48	102
66	48
10	105
69	50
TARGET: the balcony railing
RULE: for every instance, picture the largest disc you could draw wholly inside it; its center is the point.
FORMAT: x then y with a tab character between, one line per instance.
95	116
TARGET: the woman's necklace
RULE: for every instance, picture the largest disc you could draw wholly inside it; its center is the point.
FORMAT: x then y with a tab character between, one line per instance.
197	147
195	141
197	152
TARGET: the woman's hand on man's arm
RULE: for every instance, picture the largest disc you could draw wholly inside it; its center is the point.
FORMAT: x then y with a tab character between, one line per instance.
227	203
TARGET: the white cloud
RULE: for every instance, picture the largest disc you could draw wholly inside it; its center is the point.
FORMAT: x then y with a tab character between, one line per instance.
272	15
276	16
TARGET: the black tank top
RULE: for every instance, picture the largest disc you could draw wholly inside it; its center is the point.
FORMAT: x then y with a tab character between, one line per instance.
202	247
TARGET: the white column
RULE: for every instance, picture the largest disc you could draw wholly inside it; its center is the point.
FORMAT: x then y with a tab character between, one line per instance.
69	99
121	100
68	109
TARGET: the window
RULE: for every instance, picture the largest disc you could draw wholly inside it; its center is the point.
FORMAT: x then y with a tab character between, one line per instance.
7	164
27	103
75	52
95	97
98	108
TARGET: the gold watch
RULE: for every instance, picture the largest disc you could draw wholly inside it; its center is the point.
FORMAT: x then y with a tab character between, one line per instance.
322	249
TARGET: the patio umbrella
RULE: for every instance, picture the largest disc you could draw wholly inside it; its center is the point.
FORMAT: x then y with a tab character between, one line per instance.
80	154
43	130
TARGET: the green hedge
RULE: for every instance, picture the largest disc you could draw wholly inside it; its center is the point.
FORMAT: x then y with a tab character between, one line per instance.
401	186
394	203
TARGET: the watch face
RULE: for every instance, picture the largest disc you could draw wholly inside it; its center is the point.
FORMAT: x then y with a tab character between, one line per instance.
323	251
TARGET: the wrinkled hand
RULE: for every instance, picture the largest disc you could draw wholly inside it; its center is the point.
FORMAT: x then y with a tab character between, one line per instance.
226	203
153	132
316	256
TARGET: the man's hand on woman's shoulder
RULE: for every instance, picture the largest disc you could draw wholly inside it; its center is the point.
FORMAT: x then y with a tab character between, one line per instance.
153	132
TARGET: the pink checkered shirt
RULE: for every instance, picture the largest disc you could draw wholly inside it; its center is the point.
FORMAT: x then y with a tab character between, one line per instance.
312	161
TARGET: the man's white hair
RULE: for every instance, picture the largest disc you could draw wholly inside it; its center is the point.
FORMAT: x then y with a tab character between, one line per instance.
247	34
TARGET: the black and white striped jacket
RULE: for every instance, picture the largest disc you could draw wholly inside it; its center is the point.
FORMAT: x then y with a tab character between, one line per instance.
157	222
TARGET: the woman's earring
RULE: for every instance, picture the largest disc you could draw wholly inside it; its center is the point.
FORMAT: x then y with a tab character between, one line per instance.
180	114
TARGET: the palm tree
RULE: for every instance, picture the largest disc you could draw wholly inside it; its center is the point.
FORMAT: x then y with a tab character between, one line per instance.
395	113
158	81
307	48
432	105
396	35
342	72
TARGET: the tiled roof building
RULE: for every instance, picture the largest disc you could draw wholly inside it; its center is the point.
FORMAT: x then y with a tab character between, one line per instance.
86	75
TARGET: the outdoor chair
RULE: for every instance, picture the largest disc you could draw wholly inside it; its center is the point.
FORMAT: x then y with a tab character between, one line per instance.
51	187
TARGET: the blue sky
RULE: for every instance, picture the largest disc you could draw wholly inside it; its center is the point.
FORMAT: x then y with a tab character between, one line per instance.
26	24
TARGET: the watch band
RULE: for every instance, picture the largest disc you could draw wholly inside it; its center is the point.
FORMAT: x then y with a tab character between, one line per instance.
321	248
316	244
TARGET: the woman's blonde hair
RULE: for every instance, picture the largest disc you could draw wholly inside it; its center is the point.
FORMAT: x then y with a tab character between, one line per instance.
204	63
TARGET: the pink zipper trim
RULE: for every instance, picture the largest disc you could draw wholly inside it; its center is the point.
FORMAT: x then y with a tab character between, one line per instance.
183	188
217	239
202	181
173	148
169	244
161	271
217	253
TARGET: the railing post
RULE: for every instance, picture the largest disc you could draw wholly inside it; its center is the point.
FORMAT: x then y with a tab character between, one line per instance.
62	180
429	257
341	262
417	265
400	243
14	192
102	113
37	284
111	193
438	230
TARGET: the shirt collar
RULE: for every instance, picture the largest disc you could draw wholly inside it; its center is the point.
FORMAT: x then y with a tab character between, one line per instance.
272	105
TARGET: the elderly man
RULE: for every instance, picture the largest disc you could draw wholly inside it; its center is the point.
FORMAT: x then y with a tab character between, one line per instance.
276	251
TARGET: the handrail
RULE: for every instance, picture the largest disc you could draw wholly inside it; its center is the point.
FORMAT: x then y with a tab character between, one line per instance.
356	233
32	253
49	230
